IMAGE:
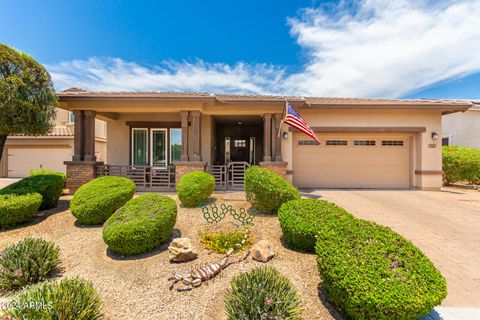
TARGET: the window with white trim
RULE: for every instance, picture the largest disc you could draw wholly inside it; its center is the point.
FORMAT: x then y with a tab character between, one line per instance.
139	147
71	117
336	142
393	143
367	143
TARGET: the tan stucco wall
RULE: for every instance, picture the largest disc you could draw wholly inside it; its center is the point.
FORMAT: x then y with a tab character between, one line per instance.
425	158
463	128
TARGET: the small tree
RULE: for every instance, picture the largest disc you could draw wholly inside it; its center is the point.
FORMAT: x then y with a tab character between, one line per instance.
27	96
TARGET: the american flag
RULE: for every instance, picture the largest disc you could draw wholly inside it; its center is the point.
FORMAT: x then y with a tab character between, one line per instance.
293	119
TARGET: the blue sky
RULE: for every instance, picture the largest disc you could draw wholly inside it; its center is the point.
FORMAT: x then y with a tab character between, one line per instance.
371	48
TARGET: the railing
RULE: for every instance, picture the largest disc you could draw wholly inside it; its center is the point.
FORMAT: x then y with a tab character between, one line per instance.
236	175
146	178
220	174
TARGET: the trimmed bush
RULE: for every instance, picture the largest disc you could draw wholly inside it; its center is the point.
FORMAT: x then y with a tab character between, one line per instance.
195	188
300	220
267	191
49	186
15	209
262	293
27	262
95	201
371	272
461	164
69	299
141	225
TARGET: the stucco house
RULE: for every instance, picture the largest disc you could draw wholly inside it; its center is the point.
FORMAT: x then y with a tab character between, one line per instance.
463	128
156	137
25	153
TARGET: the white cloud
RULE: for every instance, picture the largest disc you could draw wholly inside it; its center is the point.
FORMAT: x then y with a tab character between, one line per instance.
382	48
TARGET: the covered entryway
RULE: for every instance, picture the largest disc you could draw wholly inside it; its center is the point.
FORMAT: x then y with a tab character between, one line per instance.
352	160
22	160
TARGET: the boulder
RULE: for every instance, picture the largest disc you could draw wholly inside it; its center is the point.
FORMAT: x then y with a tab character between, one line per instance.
262	251
182	249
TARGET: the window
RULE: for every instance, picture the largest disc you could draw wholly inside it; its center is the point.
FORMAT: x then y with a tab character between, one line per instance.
392	143
369	143
158	142
139	147
307	143
71	117
446	141
240	143
175	144
336	142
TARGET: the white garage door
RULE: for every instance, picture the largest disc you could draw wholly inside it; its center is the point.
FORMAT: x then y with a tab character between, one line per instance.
352	161
22	160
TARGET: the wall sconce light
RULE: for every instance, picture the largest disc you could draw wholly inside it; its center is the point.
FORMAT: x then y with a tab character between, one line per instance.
285	135
435	136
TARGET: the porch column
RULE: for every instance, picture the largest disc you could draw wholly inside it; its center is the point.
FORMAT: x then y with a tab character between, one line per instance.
267	131
184	117
278	139
79	131
89	138
196	136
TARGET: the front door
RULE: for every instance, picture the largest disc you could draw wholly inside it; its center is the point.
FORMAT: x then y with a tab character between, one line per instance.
240	149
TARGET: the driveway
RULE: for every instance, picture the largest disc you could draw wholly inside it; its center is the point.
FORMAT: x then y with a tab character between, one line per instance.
6	181
445	225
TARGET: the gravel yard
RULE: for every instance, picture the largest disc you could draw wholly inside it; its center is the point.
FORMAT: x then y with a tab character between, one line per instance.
137	287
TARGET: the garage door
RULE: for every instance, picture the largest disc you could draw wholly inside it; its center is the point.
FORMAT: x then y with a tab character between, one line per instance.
352	161
22	160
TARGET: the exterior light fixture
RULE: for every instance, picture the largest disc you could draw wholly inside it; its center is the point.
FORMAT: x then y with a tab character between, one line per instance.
435	136
240	123
285	135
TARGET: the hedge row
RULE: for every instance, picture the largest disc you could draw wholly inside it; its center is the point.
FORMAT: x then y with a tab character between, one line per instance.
461	164
15	209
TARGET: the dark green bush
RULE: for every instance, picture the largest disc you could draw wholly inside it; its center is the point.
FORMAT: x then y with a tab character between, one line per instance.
266	190
97	200
262	293
300	220
461	164
371	272
49	186
69	299
15	209
194	188
141	225
44	171
27	262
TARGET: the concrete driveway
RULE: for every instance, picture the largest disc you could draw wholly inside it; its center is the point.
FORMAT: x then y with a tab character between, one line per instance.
7	181
445	225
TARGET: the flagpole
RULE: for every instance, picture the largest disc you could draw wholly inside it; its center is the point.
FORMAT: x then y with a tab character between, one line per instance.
283	117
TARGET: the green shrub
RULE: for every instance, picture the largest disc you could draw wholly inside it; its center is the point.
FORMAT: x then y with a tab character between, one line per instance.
300	220
266	190
27	262
141	225
221	241
44	171
194	188
262	293
95	201
50	186
15	209
371	272
69	299
461	164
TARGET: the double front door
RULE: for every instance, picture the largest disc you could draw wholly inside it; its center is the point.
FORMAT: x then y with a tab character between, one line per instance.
240	149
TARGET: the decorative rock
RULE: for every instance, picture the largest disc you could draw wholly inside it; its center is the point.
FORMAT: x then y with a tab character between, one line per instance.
230	251
181	249
262	251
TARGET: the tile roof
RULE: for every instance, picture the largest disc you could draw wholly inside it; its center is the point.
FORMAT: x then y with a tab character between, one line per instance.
230	98
57	131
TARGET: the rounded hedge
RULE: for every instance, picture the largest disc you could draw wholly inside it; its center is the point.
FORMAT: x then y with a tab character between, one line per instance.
15	209
267	191
461	164
27	262
48	185
371	272
195	188
262	293
141	225
95	201
300	220
69	299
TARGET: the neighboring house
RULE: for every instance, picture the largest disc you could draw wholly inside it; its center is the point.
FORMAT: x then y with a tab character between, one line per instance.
156	137
462	129
24	153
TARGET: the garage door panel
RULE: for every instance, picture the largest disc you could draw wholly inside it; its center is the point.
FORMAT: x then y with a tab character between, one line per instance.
22	160
352	166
